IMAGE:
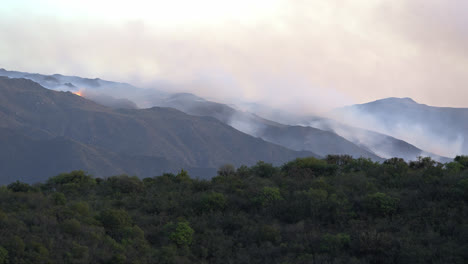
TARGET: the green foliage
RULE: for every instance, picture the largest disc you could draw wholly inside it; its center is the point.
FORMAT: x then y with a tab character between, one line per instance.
380	204
317	196
454	167
213	201
462	160
182	176
59	198
360	164
3	255
74	181
79	252
269	195
339	160
118	259
462	188
337	210
335	243
226	170
71	226
422	163
397	163
182	235
310	167
19	187
81	208
264	170
270	233
114	220
15	246
125	184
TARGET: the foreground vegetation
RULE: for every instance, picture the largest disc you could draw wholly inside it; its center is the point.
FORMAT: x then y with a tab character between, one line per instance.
337	210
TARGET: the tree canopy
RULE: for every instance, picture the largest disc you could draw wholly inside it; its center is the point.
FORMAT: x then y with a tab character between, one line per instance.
335	210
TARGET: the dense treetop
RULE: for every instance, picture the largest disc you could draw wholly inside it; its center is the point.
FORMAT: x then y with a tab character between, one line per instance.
336	210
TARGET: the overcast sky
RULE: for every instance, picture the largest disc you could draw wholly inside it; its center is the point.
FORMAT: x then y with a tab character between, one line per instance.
304	54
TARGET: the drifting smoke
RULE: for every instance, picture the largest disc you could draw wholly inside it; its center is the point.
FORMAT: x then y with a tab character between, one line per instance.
438	130
245	125
303	57
304	54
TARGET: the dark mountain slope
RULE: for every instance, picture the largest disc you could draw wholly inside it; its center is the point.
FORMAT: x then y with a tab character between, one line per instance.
300	137
294	137
99	90
360	142
29	160
33	160
161	133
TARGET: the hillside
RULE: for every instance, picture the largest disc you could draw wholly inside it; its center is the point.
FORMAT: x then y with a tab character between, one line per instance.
156	133
108	93
442	130
294	137
354	135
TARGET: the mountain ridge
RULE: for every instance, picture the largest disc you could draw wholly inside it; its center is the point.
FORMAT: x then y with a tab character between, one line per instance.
376	145
189	141
437	129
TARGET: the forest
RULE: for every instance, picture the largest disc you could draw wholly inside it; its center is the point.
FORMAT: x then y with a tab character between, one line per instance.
332	210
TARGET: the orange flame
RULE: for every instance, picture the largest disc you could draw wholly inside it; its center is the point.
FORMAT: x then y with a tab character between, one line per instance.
79	93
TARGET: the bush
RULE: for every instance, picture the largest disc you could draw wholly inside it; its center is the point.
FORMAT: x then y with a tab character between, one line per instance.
269	195
114	221
71	226
80	207
264	170
182	235
125	184
311	166
3	255
462	160
59	198
19	187
75	181
213	201
380	204
226	170
335	243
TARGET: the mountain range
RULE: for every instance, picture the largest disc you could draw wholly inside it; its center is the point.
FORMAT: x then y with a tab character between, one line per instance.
45	132
117	128
321	135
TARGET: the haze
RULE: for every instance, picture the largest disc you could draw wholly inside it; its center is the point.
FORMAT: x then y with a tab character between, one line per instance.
304	55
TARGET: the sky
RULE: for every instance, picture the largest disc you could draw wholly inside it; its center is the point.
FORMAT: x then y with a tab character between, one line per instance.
304	55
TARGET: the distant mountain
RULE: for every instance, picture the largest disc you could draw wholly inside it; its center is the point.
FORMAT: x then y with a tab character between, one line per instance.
59	81
383	145
294	137
107	93
320	135
442	130
44	132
